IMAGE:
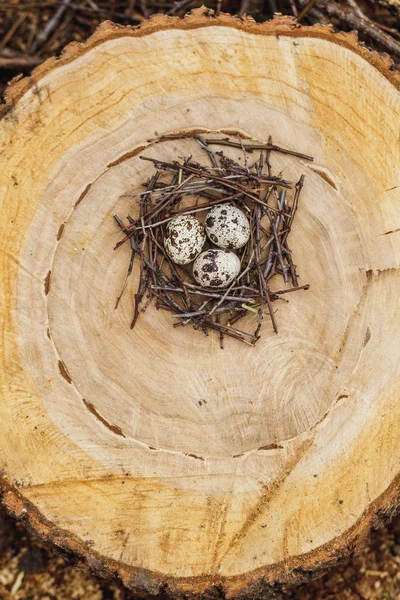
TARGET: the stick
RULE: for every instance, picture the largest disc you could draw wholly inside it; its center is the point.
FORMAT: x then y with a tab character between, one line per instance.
49	27
250	190
363	24
250	147
20	62
306	9
178	5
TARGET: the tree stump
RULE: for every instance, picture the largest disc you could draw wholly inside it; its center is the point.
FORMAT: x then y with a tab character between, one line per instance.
151	454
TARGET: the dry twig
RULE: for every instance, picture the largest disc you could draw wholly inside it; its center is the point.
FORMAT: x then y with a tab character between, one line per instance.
265	256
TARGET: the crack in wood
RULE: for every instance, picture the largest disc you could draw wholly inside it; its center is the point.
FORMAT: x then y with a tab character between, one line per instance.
60	231
323	173
47	283
126	156
114	428
271	447
392	231
64	371
267	493
81	197
193	456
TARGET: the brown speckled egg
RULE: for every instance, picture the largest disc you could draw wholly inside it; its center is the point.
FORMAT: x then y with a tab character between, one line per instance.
184	239
216	268
227	226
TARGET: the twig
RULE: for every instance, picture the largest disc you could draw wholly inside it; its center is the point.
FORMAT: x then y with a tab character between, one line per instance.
50	26
20	62
251	191
145	10
244	7
249	147
293	289
93	5
353	588
363	24
393	32
12	30
178	5
356	9
294	8
306	9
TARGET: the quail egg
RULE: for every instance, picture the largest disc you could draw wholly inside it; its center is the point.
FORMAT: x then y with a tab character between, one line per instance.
227	226
184	239
216	268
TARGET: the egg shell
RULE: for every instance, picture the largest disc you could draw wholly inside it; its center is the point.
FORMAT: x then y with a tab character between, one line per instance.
227	226
216	268
184	238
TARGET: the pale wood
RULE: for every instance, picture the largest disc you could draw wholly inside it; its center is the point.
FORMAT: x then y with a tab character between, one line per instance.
153	454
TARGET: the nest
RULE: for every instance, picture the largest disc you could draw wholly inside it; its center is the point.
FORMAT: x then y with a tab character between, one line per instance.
270	203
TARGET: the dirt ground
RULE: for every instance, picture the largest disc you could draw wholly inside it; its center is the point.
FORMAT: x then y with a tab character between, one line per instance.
32	30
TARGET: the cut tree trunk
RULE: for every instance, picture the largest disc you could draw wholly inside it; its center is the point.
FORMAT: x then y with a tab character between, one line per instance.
151	454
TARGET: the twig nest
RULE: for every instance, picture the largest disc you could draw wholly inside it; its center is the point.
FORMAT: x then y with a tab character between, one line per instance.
216	268
184	239
227	227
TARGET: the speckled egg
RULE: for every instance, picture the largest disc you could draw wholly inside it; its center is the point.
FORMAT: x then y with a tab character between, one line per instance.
216	268
184	239
227	226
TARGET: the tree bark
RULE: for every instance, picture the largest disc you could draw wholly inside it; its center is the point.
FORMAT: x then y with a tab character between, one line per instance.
152	454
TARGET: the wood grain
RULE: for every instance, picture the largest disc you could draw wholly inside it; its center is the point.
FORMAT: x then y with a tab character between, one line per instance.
153	454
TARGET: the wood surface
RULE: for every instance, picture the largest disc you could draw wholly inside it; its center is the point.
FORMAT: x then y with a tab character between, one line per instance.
151	454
